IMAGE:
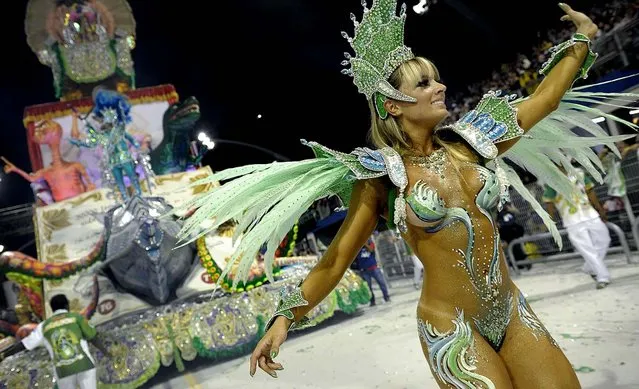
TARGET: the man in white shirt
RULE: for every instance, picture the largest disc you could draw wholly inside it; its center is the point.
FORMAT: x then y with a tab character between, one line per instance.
584	218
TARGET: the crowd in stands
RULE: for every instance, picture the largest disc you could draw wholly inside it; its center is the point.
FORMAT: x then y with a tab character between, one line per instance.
521	76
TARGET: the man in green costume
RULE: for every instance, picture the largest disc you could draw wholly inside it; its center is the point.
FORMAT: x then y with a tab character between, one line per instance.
65	336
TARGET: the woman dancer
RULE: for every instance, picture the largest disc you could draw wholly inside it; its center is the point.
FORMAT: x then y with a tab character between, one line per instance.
439	186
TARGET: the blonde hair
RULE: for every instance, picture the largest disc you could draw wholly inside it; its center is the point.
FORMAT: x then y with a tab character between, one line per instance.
388	132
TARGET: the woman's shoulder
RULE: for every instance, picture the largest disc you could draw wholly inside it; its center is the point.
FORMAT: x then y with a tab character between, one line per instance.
380	185
374	192
366	163
493	120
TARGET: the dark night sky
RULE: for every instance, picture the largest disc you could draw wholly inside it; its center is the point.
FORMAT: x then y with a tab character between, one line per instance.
278	58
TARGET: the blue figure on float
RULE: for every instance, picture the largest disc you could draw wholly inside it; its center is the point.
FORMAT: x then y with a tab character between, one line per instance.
106	127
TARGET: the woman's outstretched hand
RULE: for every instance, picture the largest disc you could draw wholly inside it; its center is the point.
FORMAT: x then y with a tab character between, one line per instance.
584	24
269	346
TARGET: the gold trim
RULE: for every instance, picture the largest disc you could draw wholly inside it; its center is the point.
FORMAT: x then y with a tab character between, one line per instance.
56	253
54	220
172	96
95	195
176	177
200	188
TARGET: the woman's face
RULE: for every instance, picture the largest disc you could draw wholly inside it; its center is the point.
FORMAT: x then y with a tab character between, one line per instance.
430	108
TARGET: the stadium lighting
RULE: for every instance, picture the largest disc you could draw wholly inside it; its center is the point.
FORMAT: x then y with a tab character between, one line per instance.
599	119
202	137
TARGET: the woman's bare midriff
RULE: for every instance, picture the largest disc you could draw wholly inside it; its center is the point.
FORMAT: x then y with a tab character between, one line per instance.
452	282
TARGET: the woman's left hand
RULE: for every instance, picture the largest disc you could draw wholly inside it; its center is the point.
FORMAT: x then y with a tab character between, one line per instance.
584	24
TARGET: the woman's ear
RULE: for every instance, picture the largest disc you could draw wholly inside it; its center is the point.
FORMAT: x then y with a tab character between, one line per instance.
392	108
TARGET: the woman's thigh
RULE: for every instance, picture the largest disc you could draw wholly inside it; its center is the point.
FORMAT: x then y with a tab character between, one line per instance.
458	356
532	357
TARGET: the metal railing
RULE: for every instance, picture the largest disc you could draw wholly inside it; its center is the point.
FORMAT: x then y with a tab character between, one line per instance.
635	229
16	221
615	46
624	218
393	257
510	254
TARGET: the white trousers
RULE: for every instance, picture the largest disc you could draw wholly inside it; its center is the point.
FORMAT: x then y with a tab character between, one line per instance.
85	380
591	239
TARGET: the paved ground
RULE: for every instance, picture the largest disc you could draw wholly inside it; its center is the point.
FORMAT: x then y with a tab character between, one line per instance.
378	348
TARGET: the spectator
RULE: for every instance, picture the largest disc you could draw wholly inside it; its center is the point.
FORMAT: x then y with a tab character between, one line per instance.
368	269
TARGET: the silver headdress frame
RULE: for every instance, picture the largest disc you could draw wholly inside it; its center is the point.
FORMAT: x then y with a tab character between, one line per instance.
379	50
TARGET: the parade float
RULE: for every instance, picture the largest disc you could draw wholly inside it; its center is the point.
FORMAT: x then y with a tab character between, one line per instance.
109	161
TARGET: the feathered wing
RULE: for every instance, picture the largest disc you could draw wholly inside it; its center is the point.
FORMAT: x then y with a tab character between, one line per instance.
266	200
519	186
554	141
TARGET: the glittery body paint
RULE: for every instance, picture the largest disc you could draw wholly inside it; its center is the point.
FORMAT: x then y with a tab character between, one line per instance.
450	219
452	354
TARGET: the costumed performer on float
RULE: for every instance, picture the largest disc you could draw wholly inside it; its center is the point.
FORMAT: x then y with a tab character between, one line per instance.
86	43
111	114
440	187
64	179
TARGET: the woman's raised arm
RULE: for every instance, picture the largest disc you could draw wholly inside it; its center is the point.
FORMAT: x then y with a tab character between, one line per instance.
558	81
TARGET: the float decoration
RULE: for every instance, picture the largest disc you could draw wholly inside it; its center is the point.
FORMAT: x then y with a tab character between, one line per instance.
62	178
85	43
173	154
145	324
224	327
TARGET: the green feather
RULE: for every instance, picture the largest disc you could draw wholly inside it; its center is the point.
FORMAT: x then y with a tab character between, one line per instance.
519	186
266	200
553	142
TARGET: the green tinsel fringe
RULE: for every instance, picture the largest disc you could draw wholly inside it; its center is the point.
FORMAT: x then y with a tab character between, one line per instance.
357	297
233	352
254	283
179	364
130	78
57	86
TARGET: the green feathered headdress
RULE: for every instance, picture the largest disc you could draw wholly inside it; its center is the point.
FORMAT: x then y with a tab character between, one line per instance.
379	50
